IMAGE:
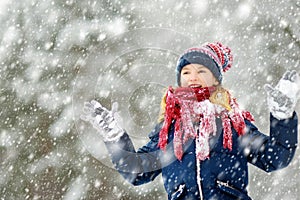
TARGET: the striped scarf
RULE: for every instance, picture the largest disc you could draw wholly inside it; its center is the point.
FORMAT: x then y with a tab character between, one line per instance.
187	106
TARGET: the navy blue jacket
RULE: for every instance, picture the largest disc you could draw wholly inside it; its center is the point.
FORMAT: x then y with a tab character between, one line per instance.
223	176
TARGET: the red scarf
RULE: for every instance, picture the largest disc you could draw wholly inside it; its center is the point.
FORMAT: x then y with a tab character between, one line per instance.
189	105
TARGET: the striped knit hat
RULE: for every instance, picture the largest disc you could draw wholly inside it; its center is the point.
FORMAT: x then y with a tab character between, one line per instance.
215	56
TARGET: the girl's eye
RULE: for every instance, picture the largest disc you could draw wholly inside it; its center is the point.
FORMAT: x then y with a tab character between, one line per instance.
186	72
201	71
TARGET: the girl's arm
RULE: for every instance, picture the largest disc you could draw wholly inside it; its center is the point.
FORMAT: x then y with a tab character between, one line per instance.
137	167
277	150
272	152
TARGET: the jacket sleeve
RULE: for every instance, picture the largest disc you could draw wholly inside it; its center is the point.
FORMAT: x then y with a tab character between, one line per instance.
137	167
275	151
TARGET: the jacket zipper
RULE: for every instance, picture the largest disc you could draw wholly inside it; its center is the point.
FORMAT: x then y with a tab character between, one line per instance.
225	184
198	170
199	179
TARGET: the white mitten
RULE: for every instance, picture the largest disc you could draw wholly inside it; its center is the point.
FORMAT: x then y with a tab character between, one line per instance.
102	119
283	98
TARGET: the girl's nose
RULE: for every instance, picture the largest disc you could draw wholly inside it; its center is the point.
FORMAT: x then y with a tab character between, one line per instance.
194	77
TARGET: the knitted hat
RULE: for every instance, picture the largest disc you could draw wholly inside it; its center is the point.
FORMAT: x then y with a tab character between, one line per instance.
216	57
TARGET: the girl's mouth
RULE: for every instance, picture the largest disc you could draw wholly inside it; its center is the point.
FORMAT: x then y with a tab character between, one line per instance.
195	86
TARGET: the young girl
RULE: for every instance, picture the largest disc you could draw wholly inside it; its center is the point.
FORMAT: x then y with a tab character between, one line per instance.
203	142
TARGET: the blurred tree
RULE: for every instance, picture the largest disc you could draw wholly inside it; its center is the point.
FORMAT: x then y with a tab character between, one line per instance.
56	54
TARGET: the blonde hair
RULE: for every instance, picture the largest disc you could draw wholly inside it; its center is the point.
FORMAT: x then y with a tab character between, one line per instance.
163	103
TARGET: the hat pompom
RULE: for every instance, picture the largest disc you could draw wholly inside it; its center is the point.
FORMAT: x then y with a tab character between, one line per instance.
224	54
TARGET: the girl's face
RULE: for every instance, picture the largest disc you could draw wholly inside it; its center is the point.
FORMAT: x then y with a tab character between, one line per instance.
196	75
